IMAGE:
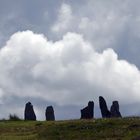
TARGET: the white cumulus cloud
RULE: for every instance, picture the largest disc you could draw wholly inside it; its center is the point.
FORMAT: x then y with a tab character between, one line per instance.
66	72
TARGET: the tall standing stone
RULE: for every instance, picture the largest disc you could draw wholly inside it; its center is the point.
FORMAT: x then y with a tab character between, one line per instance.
91	108
103	107
115	110
88	112
50	114
29	113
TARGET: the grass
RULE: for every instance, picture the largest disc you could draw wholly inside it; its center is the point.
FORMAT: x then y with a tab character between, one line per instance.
98	129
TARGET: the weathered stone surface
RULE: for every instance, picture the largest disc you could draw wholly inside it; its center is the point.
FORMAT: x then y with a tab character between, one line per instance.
103	107
29	113
50	113
115	110
88	112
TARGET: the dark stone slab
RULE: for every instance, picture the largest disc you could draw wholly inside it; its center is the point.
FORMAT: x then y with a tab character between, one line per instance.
29	113
50	114
115	109
88	112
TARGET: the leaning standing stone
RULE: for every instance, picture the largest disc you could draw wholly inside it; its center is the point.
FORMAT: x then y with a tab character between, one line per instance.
103	107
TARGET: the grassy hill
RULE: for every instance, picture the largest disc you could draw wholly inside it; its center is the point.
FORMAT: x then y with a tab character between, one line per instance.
98	129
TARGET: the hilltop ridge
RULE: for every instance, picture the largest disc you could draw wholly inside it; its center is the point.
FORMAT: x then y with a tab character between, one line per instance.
93	129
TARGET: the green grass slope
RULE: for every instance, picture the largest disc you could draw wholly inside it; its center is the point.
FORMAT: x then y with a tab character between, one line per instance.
98	129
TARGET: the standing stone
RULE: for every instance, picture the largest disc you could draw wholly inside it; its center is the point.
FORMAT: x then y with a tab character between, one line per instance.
103	107
29	113
50	114
115	110
87	112
91	108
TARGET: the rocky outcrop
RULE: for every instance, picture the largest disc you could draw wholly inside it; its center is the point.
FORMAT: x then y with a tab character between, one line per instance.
103	107
29	113
88	112
50	113
115	110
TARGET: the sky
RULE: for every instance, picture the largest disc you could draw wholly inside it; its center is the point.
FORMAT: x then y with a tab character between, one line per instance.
65	53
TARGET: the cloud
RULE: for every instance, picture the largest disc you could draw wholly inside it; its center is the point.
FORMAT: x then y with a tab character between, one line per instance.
113	24
76	67
64	18
100	22
66	72
110	24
